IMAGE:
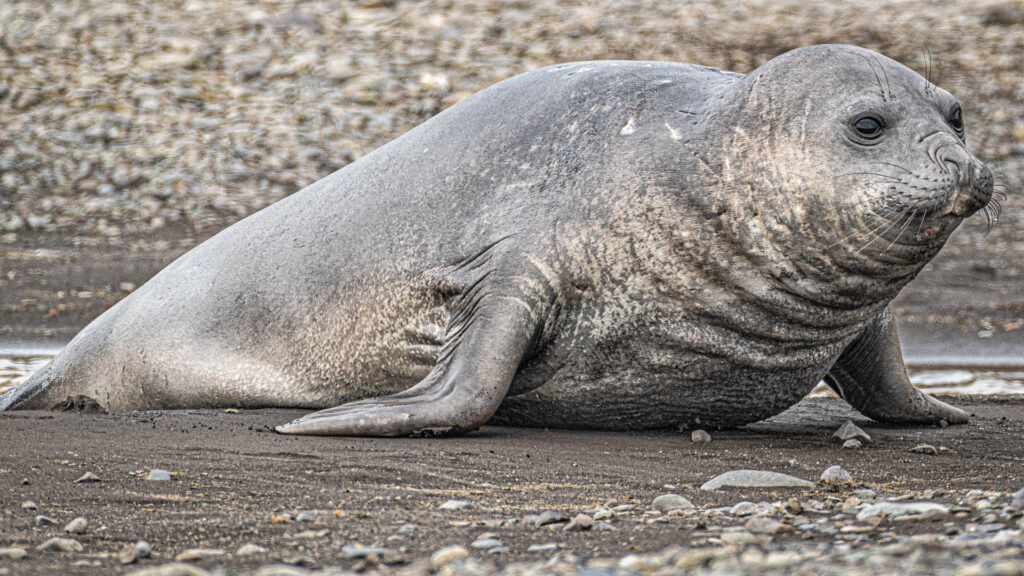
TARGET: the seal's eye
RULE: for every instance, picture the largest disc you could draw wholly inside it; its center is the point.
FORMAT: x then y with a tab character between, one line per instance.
868	127
956	120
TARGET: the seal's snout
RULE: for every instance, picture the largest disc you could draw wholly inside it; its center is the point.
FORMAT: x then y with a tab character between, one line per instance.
973	180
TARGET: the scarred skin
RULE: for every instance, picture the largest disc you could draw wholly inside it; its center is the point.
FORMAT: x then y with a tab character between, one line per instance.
614	245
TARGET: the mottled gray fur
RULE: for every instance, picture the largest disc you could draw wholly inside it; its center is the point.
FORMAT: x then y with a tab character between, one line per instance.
607	245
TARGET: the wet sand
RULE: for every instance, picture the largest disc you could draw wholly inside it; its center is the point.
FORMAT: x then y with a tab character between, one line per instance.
234	481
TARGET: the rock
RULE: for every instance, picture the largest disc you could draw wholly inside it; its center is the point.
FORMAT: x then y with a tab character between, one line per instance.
303	517
29	505
447	555
88	477
1018	499
792	506
249	549
77	526
13	553
700	437
852	444
546	517
283	569
193	554
354	552
604	527
158	475
904	510
44	520
546	547
133	552
836	474
60	545
924	449
486	543
173	569
850	431
579	523
764	525
668	502
457	505
755	479
744	508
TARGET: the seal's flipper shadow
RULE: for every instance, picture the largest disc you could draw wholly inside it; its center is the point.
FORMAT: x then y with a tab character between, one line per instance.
462	391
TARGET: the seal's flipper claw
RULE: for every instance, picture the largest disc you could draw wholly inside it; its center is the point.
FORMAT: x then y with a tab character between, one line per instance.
870	375
463	390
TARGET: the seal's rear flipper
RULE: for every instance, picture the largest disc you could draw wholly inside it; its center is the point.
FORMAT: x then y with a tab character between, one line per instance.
22	396
487	341
870	375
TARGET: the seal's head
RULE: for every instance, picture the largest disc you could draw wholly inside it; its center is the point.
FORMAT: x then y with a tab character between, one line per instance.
861	163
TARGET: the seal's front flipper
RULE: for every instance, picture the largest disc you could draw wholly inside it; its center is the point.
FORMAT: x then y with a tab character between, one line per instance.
870	375
488	339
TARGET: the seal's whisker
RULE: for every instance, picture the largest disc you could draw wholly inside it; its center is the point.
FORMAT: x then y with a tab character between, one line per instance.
885	222
875	72
868	174
902	230
892	96
861	232
921	225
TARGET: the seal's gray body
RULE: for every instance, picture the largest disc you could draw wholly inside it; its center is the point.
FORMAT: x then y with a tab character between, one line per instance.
600	244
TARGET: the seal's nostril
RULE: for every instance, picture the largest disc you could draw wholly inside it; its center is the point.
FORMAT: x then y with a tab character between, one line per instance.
953	167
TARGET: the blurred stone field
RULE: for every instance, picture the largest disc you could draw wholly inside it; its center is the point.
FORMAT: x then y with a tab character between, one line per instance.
145	127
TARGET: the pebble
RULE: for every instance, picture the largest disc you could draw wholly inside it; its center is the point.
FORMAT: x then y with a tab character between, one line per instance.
457	505
834	474
669	502
173	569
13	553
88	477
853	444
700	437
249	548
924	449
486	543
60	545
1017	501
743	508
793	506
447	555
44	520
906	510
579	523
604	527
755	479
133	552
29	505
546	517
158	475
77	526
193	554
764	525
354	552
850	431
303	517
546	547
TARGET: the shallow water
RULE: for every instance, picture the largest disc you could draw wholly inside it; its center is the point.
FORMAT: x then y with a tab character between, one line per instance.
17	364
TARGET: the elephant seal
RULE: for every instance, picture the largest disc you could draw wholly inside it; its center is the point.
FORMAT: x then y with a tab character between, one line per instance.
611	245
